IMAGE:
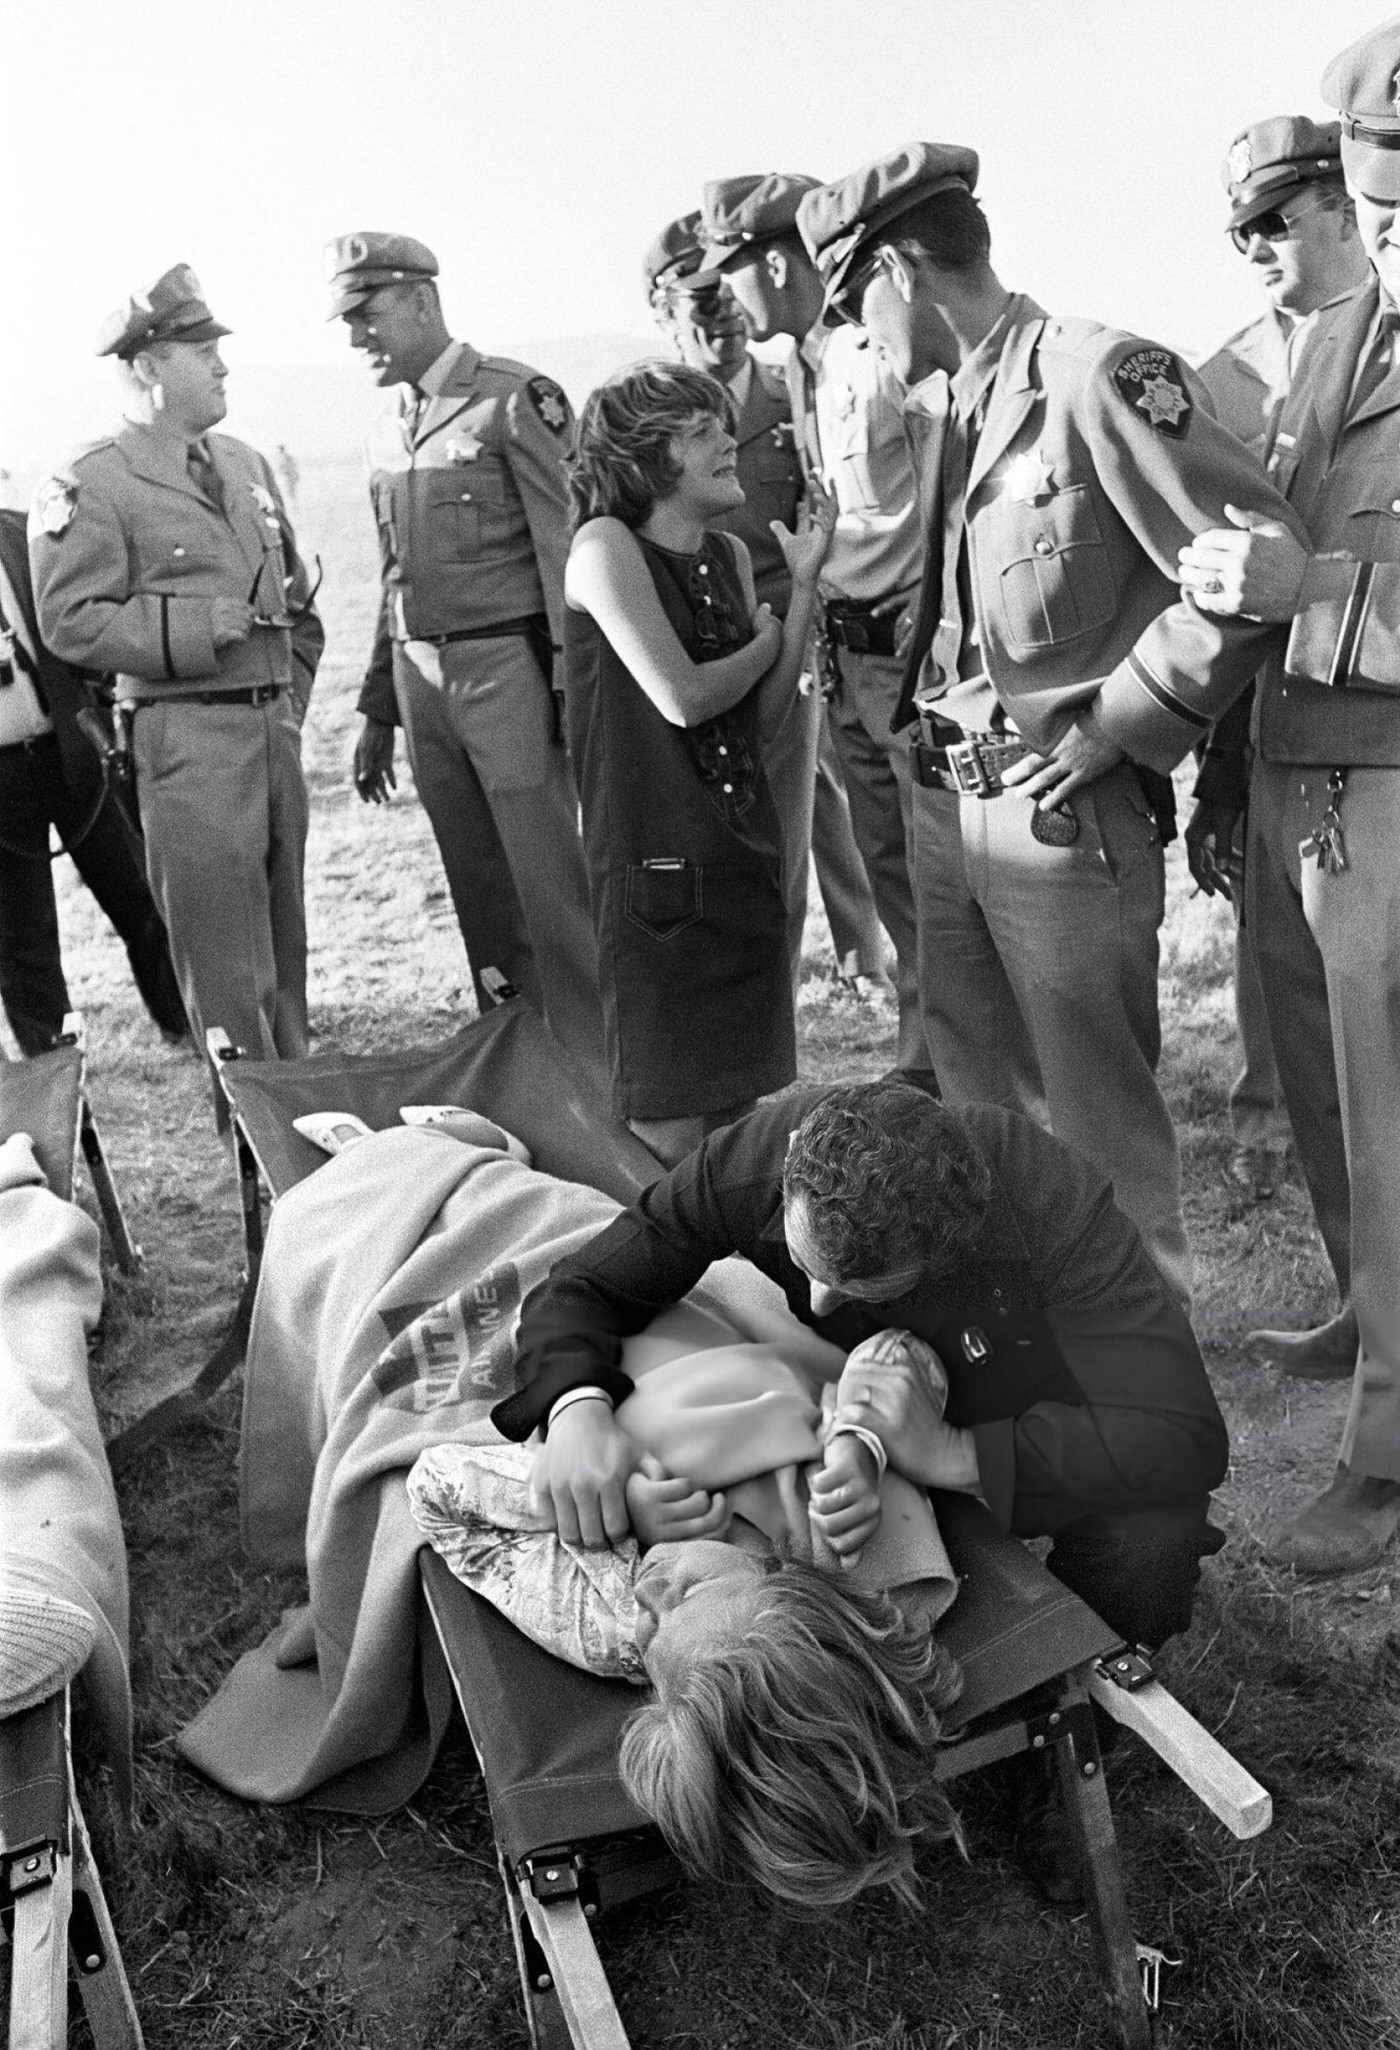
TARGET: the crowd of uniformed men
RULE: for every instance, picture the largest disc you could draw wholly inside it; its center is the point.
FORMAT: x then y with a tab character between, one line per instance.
1061	559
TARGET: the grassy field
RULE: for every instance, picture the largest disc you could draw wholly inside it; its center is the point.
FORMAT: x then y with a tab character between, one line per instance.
248	1929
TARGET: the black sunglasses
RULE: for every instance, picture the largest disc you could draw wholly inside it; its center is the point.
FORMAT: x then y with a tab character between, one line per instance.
846	304
1272	226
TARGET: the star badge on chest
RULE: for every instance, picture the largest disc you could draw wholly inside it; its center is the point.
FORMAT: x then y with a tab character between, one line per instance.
1027	477
463	447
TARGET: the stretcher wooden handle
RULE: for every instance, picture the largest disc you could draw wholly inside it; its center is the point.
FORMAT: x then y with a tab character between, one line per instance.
1231	1793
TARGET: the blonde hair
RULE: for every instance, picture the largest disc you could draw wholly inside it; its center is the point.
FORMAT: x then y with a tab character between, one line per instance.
801	1759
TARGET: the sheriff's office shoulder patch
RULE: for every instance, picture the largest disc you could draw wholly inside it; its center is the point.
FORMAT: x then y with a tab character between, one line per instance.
549	402
55	502
1153	383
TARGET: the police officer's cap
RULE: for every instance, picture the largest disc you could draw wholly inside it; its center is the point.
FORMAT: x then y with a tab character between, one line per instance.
357	266
1363	84
173	309
836	220
1266	162
736	212
677	256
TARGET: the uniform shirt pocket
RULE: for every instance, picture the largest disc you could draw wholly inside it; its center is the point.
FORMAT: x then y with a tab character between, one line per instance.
1373	521
452	513
165	558
1056	579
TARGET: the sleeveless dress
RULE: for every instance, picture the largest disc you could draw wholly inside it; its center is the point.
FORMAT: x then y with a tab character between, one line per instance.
682	845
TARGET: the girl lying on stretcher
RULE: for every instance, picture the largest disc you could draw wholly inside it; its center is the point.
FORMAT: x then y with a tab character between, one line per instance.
780	1586
779	1595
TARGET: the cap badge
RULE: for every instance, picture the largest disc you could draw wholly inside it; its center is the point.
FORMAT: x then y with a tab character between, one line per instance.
1240	161
464	447
1027	478
184	280
1152	381
55	504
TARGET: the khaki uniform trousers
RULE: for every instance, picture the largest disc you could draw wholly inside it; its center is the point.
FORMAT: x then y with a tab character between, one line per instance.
1040	983
224	813
804	775
1258	1115
499	793
876	764
1328	950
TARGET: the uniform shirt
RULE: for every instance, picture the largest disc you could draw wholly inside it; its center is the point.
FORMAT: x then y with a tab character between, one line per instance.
22	714
1331	695
1093	1395
847	408
1096	462
471	504
129	554
770	471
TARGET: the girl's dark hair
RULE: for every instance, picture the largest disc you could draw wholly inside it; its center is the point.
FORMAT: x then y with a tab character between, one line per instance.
622	464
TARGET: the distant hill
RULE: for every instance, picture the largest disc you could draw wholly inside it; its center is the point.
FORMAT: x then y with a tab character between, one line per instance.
321	411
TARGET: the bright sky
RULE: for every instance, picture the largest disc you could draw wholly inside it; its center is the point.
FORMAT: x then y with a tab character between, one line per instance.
537	145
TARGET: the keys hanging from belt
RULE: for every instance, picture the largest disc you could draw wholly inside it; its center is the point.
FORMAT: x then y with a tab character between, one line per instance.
1326	844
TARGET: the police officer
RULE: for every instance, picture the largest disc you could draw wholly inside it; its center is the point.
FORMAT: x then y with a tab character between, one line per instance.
163	553
50	776
1292	221
1061	467
467	480
696	311
846	412
1323	864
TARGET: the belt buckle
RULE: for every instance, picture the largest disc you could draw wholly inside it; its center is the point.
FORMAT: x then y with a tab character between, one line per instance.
970	770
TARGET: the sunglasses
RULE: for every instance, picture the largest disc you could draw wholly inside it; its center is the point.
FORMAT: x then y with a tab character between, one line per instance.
846	303
1273	226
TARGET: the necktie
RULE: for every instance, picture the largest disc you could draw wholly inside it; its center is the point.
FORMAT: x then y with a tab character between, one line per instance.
414	410
203	474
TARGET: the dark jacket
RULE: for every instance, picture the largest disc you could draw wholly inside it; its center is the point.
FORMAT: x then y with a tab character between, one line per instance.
61	689
1094	1396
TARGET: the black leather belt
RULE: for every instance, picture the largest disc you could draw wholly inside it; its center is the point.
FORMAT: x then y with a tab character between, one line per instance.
261	694
503	629
35	742
972	766
853	624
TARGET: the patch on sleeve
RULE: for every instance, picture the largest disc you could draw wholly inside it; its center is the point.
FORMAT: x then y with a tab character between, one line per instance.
54	505
1153	383
550	403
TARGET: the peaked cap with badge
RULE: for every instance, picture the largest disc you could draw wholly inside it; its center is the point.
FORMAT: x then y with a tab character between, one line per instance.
1270	159
755	208
357	266
679	255
836	220
1363	84
173	309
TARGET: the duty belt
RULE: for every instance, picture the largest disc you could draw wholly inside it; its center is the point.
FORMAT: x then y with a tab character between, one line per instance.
853	624
971	766
260	694
499	630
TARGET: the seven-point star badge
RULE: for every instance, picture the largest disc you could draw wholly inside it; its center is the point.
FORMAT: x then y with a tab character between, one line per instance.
1027	477
1162	401
1240	161
463	447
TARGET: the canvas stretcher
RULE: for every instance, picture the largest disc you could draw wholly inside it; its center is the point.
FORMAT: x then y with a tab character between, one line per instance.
569	1843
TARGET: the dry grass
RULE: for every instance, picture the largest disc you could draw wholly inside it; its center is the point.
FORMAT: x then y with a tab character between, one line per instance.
251	1929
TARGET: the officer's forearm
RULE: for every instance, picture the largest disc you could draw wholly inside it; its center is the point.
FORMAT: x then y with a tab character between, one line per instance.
151	635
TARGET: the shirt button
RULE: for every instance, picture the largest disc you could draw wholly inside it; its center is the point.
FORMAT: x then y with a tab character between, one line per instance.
1044	547
729	789
724	750
1395	505
178	552
466	498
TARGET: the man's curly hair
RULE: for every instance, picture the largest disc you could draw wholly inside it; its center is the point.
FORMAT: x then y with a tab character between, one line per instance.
800	1761
889	1178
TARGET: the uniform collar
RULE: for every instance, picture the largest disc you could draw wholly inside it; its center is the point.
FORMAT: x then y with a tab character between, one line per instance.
435	377
972	378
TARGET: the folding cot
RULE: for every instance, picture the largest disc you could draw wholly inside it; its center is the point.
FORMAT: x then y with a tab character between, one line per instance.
47	1096
51	1897
569	1843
